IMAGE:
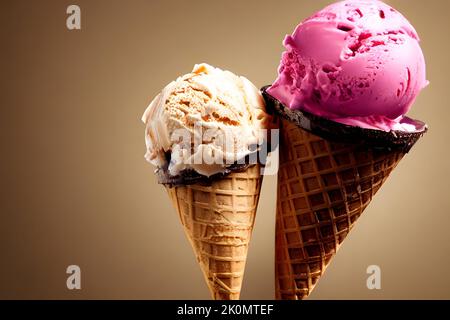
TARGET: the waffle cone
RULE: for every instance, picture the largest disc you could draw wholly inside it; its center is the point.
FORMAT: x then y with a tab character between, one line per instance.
323	187
218	219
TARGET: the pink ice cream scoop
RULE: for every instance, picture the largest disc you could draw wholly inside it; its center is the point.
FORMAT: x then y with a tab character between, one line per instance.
357	62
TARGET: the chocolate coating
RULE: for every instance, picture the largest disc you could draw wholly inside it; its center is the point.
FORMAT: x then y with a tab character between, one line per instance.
338	132
187	177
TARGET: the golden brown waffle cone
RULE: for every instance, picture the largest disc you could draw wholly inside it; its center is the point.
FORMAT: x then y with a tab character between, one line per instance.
218	220
323	187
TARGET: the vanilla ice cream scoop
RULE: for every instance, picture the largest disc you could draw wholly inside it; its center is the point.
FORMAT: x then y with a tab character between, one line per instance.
204	121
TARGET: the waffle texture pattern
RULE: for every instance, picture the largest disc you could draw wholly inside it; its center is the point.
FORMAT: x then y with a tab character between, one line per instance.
323	187
218	219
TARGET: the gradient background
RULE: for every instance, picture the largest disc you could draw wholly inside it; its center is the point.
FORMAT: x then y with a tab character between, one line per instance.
75	188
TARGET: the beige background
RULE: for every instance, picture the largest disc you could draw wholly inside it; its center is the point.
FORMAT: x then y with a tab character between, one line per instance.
75	188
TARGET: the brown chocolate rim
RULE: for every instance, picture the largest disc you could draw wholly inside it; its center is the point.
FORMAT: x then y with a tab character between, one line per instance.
188	177
338	132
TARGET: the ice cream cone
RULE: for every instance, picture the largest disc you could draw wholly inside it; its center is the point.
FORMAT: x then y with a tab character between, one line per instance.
328	174
218	219
323	187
